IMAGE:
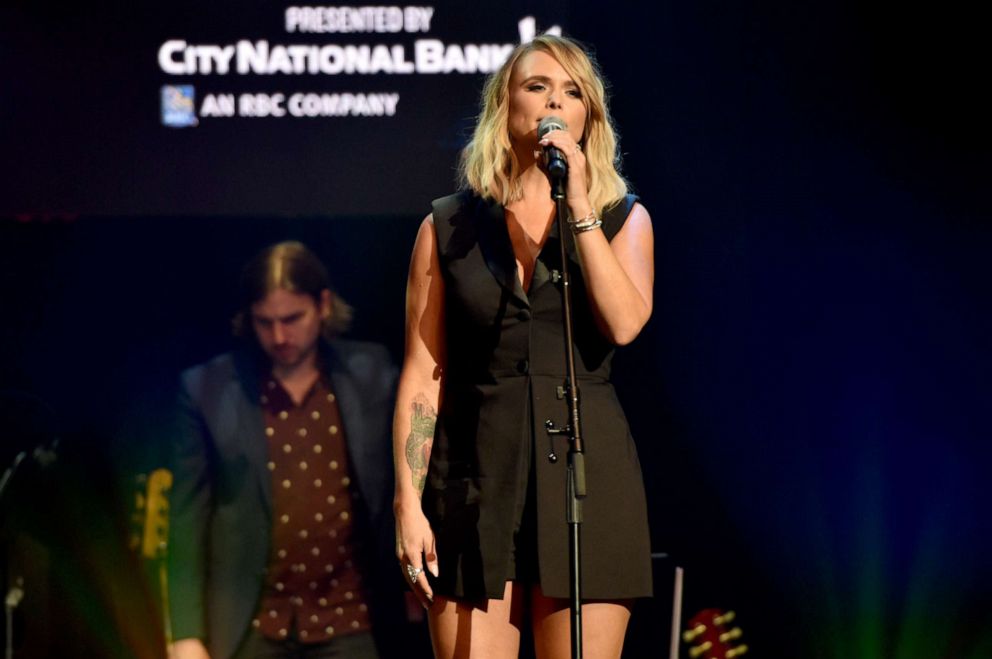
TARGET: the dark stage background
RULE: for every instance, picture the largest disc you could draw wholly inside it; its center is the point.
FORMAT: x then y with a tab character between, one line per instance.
810	398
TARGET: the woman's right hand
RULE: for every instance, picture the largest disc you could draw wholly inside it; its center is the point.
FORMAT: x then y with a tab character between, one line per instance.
415	550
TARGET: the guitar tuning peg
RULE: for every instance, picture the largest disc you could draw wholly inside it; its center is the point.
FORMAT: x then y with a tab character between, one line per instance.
691	635
736	652
724	619
700	649
730	635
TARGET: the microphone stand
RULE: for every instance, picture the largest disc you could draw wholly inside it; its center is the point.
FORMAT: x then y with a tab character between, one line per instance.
16	591
576	472
43	455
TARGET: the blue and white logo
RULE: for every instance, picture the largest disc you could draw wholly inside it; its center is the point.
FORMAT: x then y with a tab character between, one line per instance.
178	106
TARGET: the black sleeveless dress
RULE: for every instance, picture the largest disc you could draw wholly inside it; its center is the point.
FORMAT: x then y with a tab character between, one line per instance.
505	364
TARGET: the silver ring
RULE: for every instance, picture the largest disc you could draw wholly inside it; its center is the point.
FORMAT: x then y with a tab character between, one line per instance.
413	572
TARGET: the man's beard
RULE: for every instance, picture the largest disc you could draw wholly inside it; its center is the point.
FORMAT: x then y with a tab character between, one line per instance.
290	357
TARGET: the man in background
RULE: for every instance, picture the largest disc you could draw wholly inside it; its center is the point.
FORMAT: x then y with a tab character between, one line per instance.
281	521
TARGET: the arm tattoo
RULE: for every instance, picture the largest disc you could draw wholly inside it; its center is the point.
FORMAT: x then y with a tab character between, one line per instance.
423	418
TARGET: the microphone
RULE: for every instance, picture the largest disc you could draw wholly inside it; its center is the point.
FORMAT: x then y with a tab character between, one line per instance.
554	161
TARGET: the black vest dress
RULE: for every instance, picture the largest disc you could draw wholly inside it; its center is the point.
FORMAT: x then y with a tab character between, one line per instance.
504	366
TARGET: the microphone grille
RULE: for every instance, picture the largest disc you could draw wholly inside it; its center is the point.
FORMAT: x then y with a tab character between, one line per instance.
549	124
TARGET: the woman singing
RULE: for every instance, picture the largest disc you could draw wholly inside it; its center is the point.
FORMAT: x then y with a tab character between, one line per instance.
480	507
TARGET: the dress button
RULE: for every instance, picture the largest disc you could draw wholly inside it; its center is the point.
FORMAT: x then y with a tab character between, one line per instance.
523	366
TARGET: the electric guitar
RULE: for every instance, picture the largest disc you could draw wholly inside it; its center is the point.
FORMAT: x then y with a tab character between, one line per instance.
150	531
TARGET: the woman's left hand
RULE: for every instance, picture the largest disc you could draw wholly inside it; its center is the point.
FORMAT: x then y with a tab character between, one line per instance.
576	193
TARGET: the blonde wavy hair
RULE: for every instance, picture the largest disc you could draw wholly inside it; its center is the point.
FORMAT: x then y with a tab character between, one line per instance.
488	164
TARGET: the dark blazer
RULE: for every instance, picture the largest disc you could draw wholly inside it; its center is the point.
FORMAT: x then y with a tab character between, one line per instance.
221	502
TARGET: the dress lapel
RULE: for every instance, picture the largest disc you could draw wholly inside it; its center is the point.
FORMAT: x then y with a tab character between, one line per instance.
547	268
494	241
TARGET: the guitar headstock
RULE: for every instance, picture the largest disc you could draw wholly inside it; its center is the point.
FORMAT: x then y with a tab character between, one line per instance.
150	514
710	636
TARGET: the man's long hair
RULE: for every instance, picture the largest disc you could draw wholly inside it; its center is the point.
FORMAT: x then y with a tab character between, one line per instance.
292	267
489	166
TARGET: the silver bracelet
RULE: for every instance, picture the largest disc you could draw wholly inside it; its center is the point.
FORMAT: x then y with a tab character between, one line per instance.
581	228
587	223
